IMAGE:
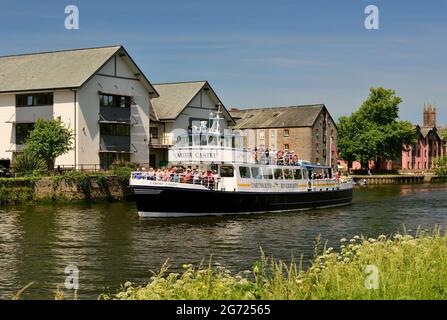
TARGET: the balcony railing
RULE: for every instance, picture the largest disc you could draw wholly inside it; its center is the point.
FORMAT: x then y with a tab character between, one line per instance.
162	142
115	144
115	115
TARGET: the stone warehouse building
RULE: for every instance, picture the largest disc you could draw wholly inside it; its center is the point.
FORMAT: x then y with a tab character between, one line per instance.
100	93
180	106
308	130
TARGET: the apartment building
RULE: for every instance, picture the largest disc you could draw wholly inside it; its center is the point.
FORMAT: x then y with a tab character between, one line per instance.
100	93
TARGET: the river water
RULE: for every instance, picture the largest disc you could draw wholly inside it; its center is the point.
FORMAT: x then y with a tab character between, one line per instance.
110	244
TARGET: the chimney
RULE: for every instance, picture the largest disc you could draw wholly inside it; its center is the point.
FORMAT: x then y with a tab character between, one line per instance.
429	116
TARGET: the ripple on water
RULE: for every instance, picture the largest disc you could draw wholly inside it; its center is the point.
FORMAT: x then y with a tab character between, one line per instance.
111	245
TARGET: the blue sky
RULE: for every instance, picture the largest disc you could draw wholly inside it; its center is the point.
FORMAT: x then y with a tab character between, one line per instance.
255	52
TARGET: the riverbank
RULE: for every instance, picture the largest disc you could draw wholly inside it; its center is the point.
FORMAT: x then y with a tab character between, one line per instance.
69	187
398	267
398	178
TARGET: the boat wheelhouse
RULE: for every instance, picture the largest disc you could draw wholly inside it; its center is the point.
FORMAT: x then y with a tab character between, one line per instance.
212	174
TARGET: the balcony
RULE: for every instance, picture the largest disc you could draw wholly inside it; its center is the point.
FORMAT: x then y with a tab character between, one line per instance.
160	142
116	144
115	115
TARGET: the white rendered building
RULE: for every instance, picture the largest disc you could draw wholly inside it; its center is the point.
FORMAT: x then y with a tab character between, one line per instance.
100	93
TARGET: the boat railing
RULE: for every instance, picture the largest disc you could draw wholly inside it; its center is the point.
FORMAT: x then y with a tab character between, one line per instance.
210	182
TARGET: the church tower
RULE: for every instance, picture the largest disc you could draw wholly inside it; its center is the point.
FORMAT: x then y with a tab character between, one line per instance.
429	116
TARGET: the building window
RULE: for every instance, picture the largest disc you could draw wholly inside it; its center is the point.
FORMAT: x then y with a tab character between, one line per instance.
261	135
34	100
154	132
22	132
114	130
286	146
286	132
109	100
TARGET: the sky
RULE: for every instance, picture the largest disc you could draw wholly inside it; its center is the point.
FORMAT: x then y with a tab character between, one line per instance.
258	53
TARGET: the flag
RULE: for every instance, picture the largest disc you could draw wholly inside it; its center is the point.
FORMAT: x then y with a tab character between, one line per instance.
334	148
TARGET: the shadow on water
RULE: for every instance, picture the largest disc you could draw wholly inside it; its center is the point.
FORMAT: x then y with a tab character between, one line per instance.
110	244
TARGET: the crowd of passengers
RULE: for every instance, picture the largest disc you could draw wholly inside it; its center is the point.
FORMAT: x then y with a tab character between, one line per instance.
209	177
281	157
179	174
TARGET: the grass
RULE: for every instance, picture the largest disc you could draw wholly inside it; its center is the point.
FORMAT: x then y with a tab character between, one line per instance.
409	267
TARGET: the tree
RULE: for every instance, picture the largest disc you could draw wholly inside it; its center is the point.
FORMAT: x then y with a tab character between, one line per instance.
48	140
441	166
373	132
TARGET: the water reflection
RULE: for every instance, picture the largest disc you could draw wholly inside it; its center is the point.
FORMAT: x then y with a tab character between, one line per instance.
110	244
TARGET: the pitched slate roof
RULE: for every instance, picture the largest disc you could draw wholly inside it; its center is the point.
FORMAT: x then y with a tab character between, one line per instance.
66	69
276	117
176	96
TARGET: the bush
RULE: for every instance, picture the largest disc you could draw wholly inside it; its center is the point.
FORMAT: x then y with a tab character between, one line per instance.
408	268
441	166
123	174
29	165
123	164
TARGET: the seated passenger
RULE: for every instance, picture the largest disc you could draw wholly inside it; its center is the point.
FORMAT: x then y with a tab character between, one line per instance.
187	178
196	176
151	174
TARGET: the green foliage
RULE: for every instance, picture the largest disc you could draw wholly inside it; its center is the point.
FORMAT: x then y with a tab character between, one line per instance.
409	268
17	190
373	132
443	133
124	164
49	139
441	166
84	182
122	170
29	164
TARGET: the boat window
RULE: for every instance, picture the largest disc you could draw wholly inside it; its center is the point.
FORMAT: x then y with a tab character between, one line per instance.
226	171
288	174
310	174
305	175
256	173
267	173
278	174
213	140
244	172
195	139
297	175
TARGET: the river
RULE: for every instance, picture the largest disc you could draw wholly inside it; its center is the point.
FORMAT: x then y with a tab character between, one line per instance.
110	244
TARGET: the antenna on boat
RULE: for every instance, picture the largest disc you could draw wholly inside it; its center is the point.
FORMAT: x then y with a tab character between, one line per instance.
215	120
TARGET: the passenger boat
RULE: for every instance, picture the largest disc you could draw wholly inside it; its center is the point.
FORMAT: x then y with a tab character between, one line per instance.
237	181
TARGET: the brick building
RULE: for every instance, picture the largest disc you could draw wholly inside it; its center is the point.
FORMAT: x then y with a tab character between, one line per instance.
430	143
308	130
